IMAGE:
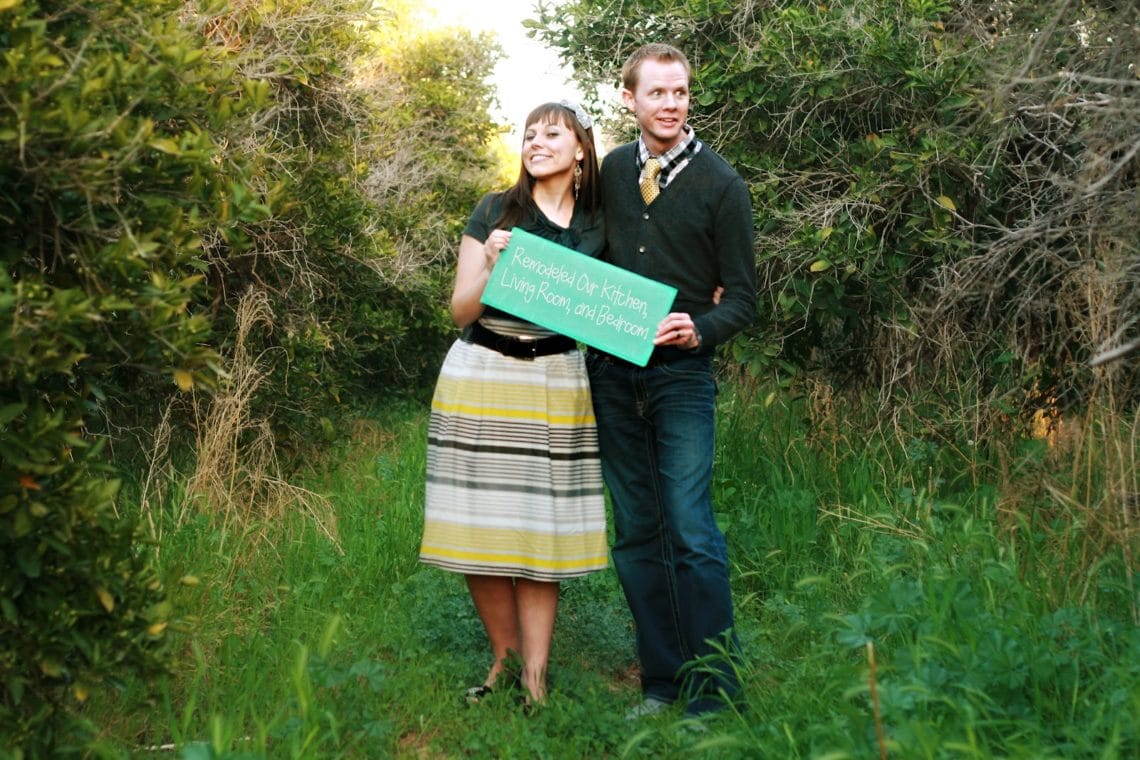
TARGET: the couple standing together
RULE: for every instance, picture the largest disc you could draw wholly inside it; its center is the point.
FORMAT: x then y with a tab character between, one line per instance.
514	497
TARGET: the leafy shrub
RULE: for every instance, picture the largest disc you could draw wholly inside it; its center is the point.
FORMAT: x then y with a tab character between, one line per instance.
160	161
107	180
936	184
367	149
849	137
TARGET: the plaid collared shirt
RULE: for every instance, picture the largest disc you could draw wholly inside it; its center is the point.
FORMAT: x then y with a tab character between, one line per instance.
673	160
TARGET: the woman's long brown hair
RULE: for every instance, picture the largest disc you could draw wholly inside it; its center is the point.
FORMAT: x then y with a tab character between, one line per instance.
518	201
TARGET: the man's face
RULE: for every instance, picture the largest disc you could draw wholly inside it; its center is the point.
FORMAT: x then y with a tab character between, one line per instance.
660	102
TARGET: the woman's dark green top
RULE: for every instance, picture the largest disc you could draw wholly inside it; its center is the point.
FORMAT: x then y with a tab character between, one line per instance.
586	233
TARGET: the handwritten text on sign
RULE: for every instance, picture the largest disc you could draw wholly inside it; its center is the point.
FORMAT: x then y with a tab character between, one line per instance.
597	303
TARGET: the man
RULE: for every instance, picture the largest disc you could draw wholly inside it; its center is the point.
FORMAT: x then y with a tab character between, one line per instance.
678	213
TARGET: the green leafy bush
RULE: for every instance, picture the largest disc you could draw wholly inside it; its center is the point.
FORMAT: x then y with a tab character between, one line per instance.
107	180
367	147
159	160
936	184
847	123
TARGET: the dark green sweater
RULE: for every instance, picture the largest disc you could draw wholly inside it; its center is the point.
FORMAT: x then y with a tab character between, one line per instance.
697	234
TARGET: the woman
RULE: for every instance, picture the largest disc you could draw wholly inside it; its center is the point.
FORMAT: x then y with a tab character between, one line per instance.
514	487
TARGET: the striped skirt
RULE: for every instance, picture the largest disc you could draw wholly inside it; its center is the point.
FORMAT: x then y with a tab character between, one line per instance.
514	481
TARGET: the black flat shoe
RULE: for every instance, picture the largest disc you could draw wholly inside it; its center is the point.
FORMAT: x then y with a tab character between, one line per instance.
477	694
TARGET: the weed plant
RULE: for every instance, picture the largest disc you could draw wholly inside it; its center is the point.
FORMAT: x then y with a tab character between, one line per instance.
900	592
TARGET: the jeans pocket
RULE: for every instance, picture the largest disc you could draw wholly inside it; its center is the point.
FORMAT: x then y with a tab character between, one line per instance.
596	364
689	368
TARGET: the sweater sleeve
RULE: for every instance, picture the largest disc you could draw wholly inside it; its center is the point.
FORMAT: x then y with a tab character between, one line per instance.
736	260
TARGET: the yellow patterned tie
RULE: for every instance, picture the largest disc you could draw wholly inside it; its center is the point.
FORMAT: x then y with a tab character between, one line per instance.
649	188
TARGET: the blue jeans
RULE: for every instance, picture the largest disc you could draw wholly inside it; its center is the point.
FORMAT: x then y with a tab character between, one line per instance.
656	433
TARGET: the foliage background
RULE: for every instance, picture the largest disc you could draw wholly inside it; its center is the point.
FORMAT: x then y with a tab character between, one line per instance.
943	191
226	226
166	167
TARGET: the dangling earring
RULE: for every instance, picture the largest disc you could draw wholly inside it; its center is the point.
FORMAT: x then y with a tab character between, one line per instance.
577	179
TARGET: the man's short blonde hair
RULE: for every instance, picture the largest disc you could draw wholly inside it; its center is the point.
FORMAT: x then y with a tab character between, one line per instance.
656	50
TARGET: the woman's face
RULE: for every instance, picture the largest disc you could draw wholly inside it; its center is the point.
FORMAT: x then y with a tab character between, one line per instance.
550	149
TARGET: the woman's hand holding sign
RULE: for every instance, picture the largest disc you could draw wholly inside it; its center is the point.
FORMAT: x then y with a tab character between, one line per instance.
476	260
496	242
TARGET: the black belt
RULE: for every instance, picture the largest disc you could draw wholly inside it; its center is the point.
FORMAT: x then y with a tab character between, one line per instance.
519	348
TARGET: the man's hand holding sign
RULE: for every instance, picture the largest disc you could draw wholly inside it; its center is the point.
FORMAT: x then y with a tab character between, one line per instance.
606	307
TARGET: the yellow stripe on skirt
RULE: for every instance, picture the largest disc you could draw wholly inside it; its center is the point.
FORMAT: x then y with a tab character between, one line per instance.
514	484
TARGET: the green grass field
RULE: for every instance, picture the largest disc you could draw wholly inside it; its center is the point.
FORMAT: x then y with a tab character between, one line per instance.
901	591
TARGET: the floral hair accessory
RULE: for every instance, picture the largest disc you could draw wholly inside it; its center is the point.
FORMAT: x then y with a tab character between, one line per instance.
579	114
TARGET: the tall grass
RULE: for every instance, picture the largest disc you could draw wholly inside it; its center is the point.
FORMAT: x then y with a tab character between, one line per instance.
995	581
991	581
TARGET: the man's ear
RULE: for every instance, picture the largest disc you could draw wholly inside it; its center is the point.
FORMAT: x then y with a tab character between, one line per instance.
627	98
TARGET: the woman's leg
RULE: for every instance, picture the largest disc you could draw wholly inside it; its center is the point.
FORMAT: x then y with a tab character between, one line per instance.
537	605
494	598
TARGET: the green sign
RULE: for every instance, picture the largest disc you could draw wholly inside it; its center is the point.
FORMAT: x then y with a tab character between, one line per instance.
603	306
